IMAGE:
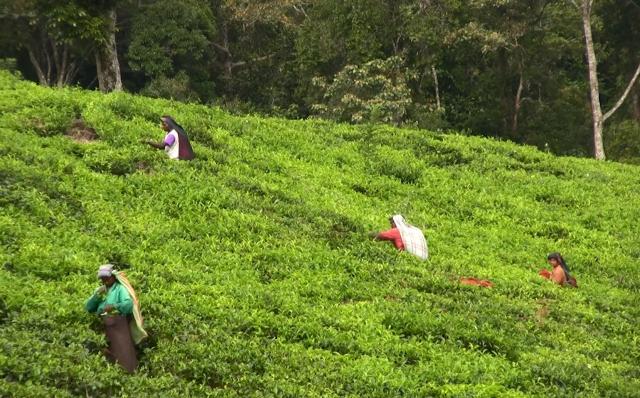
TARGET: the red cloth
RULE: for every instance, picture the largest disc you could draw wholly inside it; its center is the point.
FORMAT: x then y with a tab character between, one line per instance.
545	273
476	282
394	236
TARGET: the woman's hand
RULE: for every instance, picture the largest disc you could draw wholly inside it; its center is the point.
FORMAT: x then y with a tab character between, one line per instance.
109	308
157	145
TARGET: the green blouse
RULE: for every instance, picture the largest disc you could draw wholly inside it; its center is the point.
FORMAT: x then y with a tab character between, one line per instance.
117	295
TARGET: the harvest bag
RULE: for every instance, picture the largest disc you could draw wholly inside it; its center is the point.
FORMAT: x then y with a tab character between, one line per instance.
412	237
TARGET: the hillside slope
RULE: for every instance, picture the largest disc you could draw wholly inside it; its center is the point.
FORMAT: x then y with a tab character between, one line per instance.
256	276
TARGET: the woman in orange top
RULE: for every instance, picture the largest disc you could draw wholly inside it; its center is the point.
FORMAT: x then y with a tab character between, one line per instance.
560	273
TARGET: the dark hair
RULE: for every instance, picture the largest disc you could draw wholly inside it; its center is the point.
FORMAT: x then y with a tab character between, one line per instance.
173	125
558	257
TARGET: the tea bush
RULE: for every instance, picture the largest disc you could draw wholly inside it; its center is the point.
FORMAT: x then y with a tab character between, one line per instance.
254	269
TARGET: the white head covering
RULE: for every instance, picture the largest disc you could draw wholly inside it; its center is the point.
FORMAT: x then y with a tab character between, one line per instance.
412	237
105	270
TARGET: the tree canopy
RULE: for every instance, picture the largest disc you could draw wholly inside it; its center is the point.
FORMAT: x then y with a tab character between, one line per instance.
511	69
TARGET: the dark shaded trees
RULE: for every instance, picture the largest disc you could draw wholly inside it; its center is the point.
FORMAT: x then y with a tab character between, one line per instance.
59	36
512	69
171	47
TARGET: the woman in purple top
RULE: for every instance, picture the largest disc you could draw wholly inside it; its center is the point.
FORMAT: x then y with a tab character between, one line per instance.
176	143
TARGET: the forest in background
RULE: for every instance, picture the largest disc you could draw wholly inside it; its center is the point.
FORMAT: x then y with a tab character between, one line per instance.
510	69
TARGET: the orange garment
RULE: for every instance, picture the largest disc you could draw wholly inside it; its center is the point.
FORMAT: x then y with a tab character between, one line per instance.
545	273
475	282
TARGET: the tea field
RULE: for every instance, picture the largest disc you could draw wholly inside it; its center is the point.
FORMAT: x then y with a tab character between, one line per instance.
256	275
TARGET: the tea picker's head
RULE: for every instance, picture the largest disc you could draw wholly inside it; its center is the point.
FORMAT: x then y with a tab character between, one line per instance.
555	259
396	220
105	274
165	123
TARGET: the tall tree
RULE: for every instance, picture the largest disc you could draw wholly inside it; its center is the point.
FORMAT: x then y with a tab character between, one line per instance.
598	117
106	54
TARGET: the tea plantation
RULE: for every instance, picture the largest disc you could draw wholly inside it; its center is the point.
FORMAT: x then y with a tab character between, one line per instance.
256	276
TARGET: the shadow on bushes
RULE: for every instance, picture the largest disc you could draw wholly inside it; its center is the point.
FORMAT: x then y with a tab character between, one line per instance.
4	311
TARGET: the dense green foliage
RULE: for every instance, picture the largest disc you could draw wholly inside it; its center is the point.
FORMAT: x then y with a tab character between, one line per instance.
377	92
503	68
255	274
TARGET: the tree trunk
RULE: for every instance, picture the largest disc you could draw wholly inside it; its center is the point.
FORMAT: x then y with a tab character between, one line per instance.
42	79
596	109
506	95
48	59
62	65
516	106
437	87
224	48
107	66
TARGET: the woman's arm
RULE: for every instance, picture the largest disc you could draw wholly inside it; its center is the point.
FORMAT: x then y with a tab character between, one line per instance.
124	303
157	145
94	301
391	234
